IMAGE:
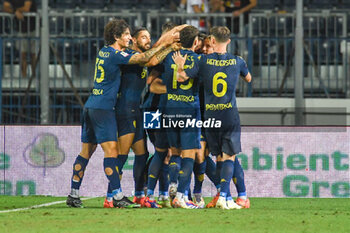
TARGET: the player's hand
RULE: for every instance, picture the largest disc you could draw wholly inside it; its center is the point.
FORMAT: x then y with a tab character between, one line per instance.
152	76
19	15
176	46
179	60
181	79
172	36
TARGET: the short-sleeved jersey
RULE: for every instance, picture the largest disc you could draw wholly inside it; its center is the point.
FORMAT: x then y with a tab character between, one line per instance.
181	95
219	74
133	82
107	78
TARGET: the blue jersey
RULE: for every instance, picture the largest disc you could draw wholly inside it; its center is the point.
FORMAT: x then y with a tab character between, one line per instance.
107	78
132	84
156	101
219	74
180	95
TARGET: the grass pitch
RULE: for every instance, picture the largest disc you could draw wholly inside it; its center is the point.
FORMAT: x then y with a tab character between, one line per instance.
265	215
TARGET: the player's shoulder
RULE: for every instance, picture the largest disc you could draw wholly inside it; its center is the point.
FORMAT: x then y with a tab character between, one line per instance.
131	51
168	58
120	53
239	58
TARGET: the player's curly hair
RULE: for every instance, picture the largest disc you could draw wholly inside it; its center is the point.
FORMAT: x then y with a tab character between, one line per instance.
221	33
188	35
114	28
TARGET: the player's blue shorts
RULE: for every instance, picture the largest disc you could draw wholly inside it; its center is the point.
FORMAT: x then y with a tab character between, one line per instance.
152	135
98	126
184	138
203	137
131	124
160	139
224	140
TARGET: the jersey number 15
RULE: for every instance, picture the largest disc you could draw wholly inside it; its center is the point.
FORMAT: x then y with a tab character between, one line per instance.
182	86
98	66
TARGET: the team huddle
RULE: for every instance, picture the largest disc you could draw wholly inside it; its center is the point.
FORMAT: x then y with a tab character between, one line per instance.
186	76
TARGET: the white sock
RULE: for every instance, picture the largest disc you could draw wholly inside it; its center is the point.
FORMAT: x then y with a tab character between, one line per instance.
118	196
74	193
179	195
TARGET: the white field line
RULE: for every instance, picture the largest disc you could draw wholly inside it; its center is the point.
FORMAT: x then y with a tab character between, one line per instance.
39	206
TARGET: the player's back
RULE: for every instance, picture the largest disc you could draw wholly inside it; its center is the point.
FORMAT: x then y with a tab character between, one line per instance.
132	84
107	78
219	74
180	95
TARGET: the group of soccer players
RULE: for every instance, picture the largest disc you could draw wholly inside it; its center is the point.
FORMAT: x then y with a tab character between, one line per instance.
188	76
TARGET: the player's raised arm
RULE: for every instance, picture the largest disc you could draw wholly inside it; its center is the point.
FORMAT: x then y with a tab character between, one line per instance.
142	58
172	33
160	55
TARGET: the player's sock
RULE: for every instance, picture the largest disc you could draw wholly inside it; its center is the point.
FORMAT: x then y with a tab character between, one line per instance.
154	170
199	170
110	169
188	193
238	179
228	196
174	168
164	179
218	172
78	174
210	171
226	176
185	174
138	169
121	160
109	195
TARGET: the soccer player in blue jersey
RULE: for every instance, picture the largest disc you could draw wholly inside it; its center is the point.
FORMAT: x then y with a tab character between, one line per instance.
210	167
99	123
219	72
158	168
182	105
129	115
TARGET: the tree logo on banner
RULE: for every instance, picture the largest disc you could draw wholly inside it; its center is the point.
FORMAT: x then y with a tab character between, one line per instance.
44	152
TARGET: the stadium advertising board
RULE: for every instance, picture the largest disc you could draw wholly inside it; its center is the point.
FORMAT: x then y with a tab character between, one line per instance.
278	162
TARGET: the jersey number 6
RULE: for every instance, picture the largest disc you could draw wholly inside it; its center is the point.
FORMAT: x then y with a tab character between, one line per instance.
216	81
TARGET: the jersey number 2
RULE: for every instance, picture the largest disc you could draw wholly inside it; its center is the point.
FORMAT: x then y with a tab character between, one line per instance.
98	66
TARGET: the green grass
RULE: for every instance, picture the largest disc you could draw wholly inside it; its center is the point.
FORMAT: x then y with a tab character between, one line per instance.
265	215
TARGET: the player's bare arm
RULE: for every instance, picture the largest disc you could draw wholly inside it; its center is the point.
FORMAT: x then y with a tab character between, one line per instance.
164	41
157	87
173	33
145	57
159	56
247	78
